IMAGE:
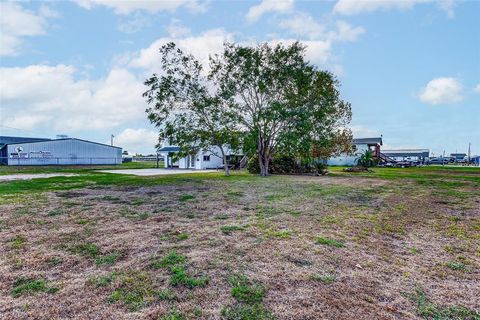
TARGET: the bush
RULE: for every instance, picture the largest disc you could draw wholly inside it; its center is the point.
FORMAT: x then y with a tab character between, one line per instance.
287	164
283	164
253	166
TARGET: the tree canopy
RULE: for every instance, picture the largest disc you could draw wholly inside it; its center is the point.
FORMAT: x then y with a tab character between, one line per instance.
290	105
270	93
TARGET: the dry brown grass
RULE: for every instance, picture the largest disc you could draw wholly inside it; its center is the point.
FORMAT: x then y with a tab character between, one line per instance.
397	236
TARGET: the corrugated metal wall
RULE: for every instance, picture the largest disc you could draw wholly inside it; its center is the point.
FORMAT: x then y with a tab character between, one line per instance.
63	152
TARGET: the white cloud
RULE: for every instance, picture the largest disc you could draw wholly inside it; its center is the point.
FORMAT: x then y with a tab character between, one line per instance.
346	32
477	88
352	7
360	131
207	43
320	37
211	43
302	24
442	91
256	12
40	96
17	23
127	7
137	140
175	29
135	24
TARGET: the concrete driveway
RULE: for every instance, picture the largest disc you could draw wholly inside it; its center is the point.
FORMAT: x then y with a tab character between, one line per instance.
155	172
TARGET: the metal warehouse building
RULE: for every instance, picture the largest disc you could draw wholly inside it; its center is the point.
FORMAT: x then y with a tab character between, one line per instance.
68	151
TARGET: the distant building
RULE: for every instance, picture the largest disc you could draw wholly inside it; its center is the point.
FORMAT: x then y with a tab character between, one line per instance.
408	155
360	145
202	159
69	151
457	157
475	160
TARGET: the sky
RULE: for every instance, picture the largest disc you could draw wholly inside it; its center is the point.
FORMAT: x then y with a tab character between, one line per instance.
410	69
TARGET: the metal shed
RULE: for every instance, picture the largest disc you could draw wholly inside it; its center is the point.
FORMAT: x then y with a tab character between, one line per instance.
69	151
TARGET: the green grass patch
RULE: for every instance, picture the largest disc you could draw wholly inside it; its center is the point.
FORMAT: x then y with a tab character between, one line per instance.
180	277
28	286
183	236
247	312
167	294
454	265
108	260
245	290
54	261
186	197
324	278
248	296
85	249
330	242
134	290
430	310
230	229
55	212
282	234
101	281
18	242
173	315
133	214
171	260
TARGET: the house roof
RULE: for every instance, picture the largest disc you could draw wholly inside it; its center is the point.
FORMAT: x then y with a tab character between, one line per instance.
55	140
169	149
376	140
407	153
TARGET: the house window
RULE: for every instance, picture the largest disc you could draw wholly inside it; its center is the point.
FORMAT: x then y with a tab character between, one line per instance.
206	158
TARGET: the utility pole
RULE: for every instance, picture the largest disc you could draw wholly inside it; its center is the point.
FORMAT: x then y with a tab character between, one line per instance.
111	139
468	159
443	158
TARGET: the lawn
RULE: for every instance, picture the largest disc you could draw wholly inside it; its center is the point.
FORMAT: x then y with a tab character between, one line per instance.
392	244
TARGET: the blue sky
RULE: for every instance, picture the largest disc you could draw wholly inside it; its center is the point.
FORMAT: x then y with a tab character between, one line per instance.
411	69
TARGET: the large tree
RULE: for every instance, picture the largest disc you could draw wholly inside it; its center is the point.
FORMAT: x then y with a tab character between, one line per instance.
186	109
286	102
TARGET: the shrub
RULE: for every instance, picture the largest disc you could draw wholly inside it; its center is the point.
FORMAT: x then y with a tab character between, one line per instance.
253	166
283	164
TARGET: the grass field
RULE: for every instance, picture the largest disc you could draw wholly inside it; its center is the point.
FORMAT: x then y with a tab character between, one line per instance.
392	244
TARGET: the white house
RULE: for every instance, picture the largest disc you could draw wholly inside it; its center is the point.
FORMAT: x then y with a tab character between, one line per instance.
360	145
203	159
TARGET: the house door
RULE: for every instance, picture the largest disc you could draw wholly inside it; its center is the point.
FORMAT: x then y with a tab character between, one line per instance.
191	161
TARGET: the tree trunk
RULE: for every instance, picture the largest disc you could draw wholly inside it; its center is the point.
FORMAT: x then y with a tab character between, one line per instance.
263	161
225	164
